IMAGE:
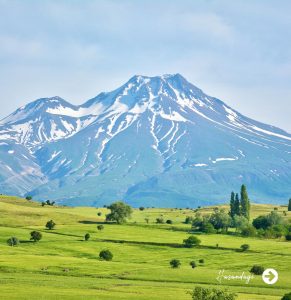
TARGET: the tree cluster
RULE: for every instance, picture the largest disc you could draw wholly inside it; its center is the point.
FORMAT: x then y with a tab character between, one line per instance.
272	226
219	220
240	206
201	293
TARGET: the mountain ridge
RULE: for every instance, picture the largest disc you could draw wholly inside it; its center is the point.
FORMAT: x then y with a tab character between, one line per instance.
141	142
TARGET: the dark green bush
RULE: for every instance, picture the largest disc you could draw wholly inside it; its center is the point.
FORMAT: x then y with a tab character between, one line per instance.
245	247
257	270
13	241
191	241
100	227
50	224
35	236
175	263
106	255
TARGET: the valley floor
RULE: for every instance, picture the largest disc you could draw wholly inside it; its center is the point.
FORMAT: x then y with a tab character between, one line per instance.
64	266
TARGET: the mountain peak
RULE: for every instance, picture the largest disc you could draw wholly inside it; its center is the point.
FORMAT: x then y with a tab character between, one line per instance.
152	139
164	77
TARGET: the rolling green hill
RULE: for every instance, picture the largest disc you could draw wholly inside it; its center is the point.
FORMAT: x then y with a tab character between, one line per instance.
64	266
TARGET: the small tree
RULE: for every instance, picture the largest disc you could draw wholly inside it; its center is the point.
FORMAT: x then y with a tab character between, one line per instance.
201	261
13	241
119	212
232	205
169	222
87	236
100	227
141	208
50	225
289	205
193	264
244	247
257	270
237	208
99	214
201	293
220	219
106	255
175	263
286	297
245	202
147	220
160	220
35	236
191	241
28	198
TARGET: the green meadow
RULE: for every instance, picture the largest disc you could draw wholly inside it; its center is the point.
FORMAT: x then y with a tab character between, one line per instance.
64	266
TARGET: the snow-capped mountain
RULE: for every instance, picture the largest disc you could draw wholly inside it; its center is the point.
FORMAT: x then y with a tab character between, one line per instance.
153	141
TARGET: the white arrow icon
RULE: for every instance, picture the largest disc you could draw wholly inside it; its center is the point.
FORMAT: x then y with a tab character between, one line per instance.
270	276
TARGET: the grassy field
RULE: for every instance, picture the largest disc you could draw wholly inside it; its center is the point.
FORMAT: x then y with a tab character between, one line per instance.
64	266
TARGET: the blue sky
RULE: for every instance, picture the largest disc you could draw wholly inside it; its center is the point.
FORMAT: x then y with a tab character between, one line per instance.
238	51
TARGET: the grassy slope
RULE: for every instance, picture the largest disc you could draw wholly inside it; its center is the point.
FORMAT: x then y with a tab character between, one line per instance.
63	266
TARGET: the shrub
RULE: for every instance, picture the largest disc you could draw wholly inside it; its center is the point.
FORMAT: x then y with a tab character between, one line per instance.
119	212
207	227
169	222
106	255
147	220
244	247
50	203
28	198
267	221
99	214
201	293
191	241
286	297
193	264
257	270
35	236
201	261
42	203
141	208
100	227
288	236
261	222
50	224
276	231
87	236
248	231
175	263
160	220
188	220
13	241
